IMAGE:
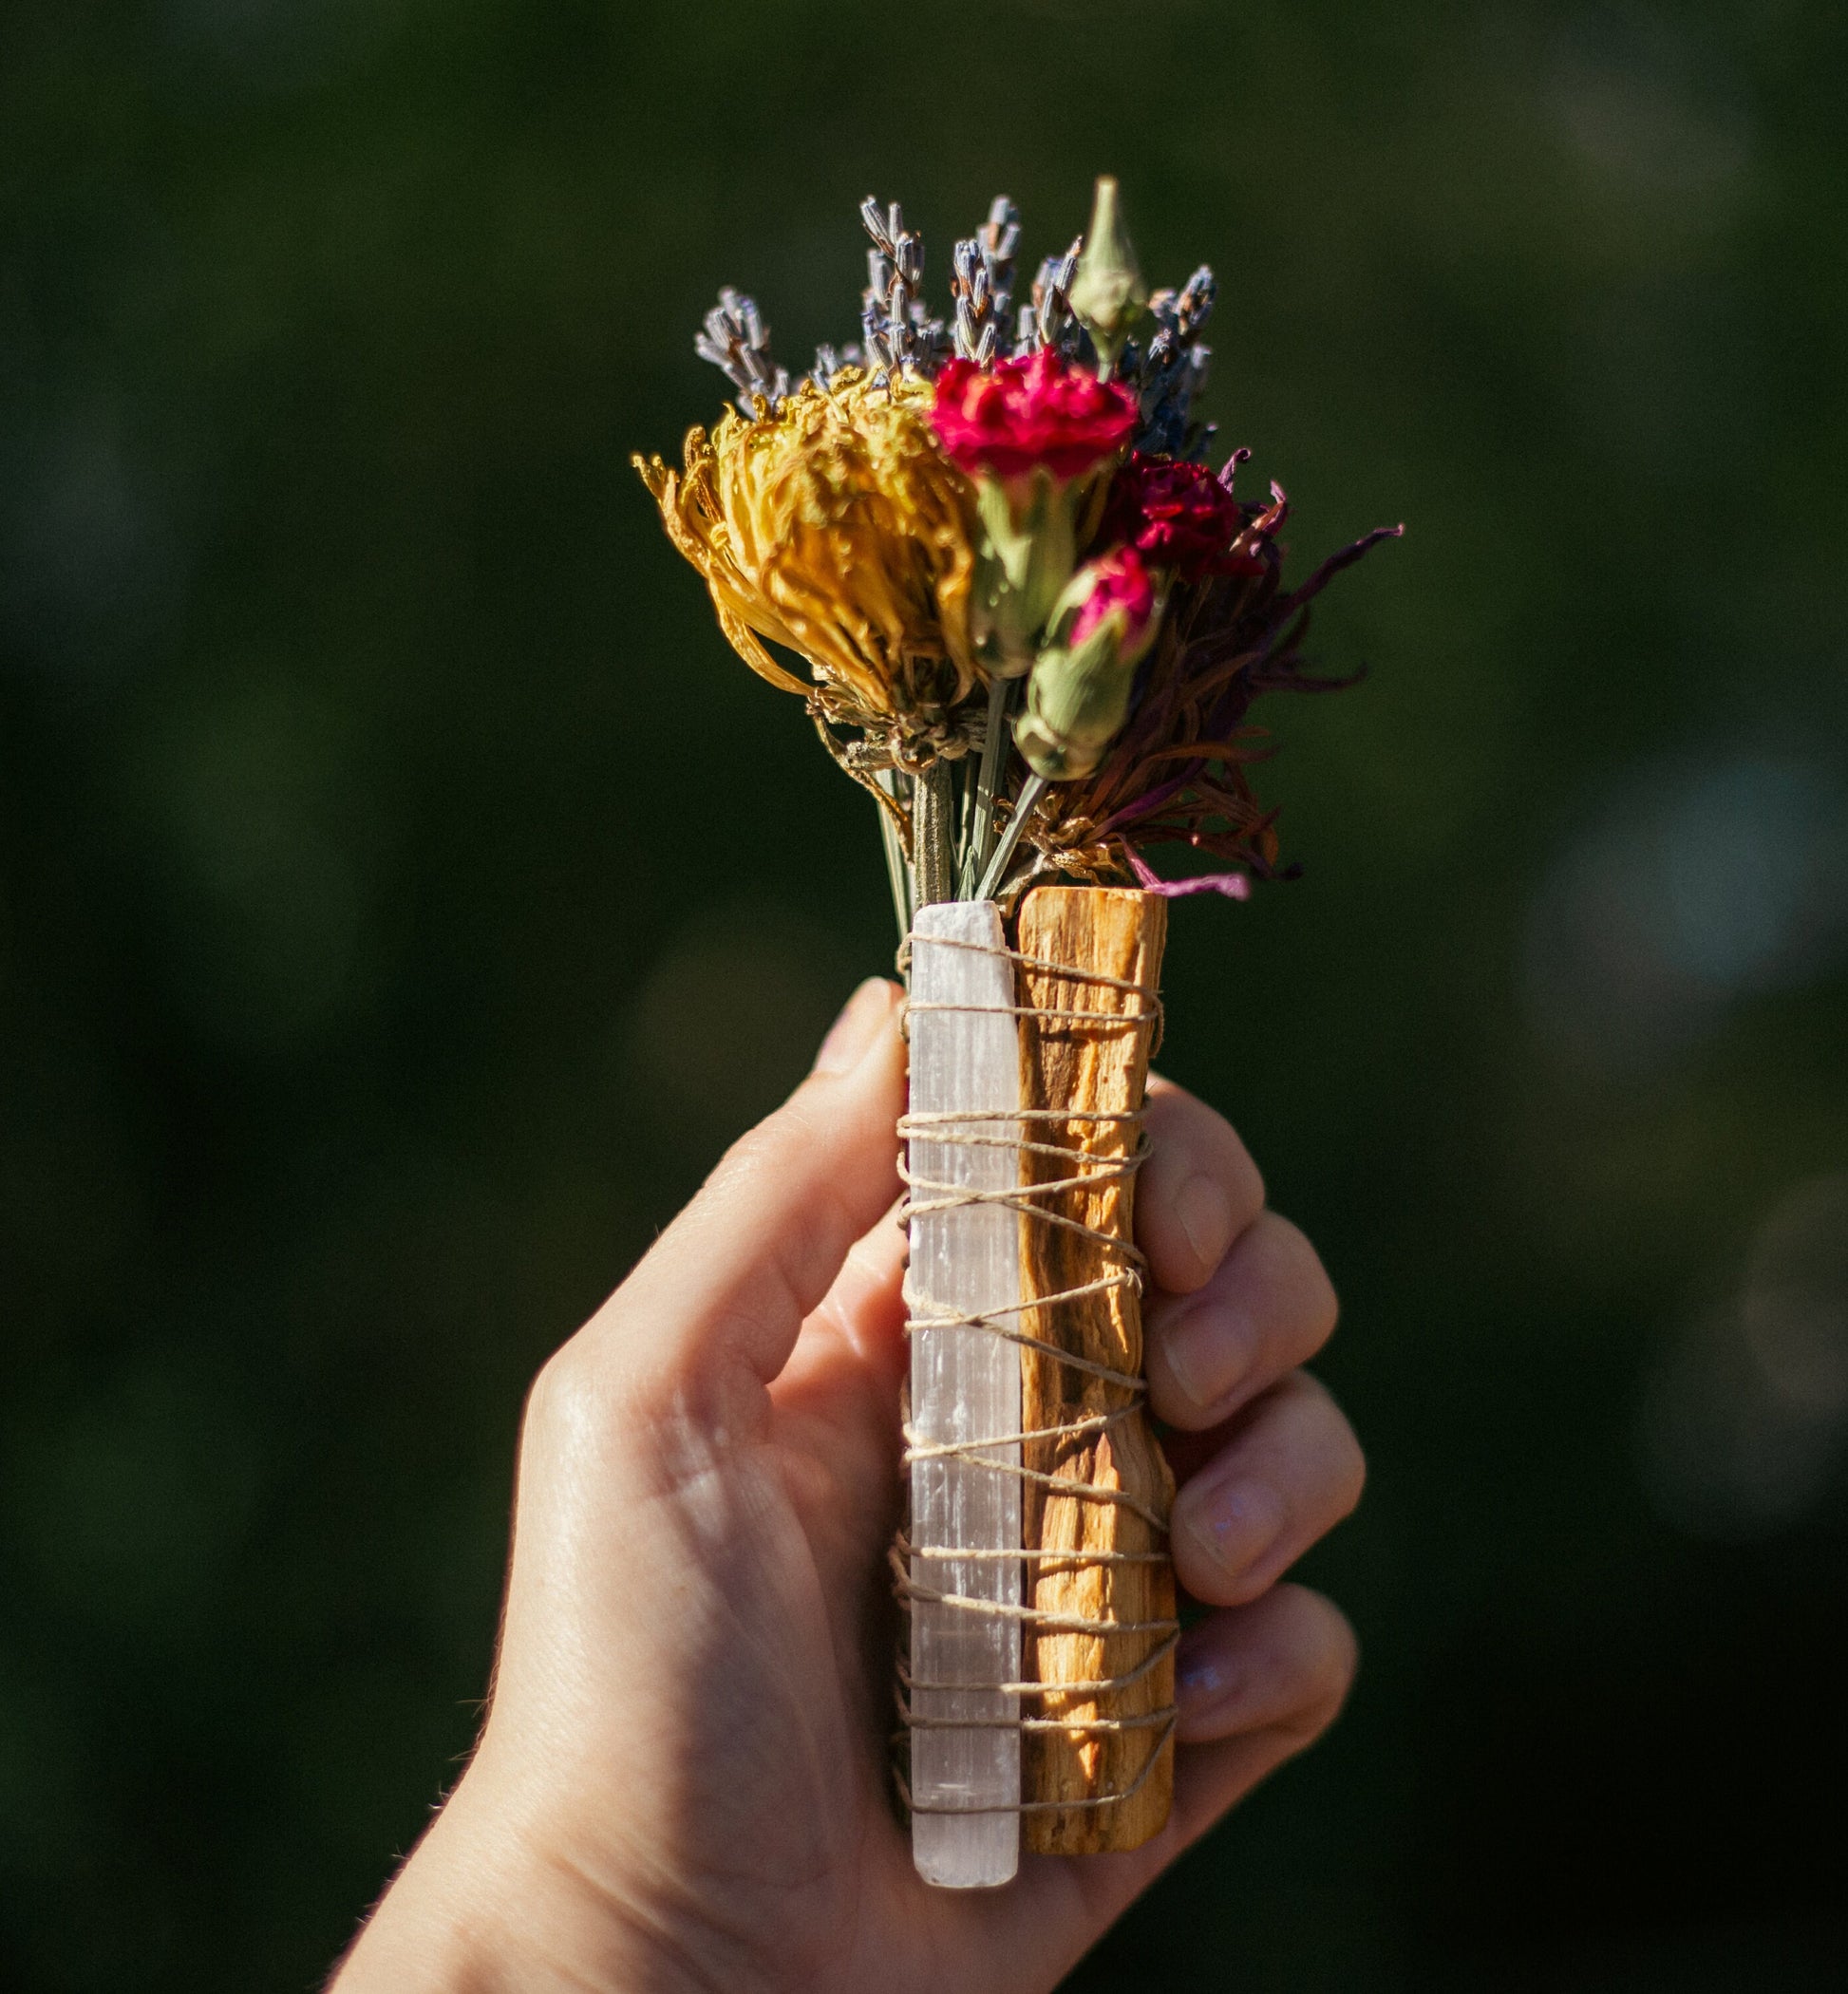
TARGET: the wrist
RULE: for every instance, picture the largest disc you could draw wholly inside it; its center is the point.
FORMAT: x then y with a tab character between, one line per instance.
474	1910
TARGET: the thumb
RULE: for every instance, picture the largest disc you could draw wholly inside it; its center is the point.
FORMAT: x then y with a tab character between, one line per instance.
735	1274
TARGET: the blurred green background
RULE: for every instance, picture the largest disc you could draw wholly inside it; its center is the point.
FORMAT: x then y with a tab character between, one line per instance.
406	893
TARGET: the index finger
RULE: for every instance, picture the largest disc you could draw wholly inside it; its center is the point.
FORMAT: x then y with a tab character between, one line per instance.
1197	1192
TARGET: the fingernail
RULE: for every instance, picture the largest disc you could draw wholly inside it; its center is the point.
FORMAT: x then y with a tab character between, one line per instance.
860	1023
1237	1524
1208	1691
1204	1214
1200	1682
1208	1350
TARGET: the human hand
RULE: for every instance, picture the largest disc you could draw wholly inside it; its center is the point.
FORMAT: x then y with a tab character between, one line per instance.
681	1782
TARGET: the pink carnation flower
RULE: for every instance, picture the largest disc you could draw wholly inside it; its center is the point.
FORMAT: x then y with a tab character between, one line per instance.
1021	414
1121	586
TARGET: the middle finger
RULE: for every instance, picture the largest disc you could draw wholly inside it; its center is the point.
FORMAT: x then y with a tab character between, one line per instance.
1269	1307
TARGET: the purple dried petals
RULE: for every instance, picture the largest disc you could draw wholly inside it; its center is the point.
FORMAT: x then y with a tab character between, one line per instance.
1234	886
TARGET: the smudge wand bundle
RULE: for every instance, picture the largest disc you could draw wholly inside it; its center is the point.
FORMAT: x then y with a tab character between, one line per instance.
1032	621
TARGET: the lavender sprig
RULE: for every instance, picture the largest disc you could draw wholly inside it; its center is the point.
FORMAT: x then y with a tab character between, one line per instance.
982	282
999	236
1048	320
976	311
735	339
897	328
1172	372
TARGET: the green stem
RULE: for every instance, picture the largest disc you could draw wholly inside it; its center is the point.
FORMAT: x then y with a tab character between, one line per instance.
994	760
1030	792
897	875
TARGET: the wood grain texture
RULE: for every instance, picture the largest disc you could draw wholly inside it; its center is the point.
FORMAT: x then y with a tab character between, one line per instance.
1073	1065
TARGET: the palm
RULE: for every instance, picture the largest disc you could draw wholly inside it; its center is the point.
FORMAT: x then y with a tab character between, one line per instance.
778	1660
820	1657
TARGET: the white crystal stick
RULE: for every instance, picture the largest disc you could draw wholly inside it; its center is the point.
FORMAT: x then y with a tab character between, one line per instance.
965	1387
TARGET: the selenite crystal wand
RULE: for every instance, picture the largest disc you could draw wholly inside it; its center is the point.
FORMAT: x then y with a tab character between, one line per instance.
1032	621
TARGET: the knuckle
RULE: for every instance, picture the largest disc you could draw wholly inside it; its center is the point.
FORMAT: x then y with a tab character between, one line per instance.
1187	1136
1298	1269
1232	1161
753	1155
767	1148
574	1396
1302	1397
557	1395
1330	1661
1337	1447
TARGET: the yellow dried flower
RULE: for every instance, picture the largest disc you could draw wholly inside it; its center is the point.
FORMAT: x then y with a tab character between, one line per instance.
835	526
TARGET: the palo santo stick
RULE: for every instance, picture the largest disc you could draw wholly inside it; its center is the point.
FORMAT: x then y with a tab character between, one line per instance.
1111	937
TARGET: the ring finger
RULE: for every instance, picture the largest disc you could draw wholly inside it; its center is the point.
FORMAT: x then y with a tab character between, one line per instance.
1279	1476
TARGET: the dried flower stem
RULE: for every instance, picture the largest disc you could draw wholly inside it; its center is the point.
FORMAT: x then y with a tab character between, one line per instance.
933	833
1030	792
897	872
980	843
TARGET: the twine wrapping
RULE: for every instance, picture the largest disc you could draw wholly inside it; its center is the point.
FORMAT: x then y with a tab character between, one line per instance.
1051	1177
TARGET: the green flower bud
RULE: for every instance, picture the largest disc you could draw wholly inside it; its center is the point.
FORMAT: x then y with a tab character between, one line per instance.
1078	697
1108	293
1028	550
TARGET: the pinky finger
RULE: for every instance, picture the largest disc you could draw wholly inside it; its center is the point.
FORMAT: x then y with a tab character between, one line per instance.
1256	1685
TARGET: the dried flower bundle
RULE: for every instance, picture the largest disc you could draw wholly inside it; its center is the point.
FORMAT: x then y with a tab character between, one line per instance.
1033	618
